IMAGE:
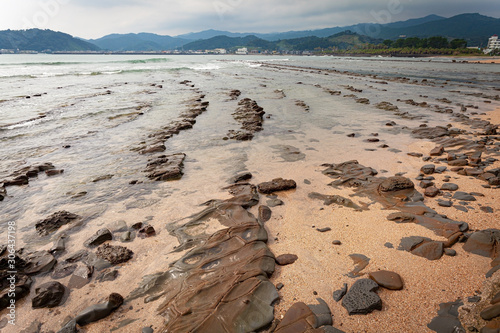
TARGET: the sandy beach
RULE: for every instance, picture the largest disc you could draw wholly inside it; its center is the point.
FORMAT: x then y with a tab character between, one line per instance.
209	175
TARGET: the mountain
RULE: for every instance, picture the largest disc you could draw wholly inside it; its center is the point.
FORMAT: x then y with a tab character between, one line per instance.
326	32
226	42
41	40
138	42
474	28
342	40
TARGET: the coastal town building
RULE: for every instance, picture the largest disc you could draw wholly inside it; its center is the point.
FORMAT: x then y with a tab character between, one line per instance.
243	50
493	43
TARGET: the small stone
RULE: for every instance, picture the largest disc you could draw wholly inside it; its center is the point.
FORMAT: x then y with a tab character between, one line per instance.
450	252
337	242
277	184
449	187
389	245
444	203
428	169
264	213
280	286
286	259
431	191
324	229
387	279
463	196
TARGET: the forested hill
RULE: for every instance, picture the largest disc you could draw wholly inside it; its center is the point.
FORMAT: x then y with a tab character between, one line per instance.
42	40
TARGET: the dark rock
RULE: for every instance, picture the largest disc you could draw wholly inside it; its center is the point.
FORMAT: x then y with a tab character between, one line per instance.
492	271
463	196
440	169
426	183
447	318
444	203
401	217
21	289
429	250
63	269
428	169
461	208
278	184
107	276
361	297
493	181
240	177
280	286
59	246
48	295
491	312
54	172
274	202
114	254
96	312
339	294
450	252
100	237
483	243
395	184
387	279
458	163
430	132
81	276
166	167
431	191
105	177
303	318
487	209
147	231
449	187
39	262
324	229
264	213
437	151
147	330
286	259
54	222
389	245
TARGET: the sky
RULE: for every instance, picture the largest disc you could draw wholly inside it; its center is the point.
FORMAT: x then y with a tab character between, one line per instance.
96	18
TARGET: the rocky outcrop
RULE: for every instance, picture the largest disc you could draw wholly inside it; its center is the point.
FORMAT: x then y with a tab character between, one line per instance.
275	185
54	222
166	167
250	115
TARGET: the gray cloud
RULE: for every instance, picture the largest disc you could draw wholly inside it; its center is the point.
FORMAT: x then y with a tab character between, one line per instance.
95	18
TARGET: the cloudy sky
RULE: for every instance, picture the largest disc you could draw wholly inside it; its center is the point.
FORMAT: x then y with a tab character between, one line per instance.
96	18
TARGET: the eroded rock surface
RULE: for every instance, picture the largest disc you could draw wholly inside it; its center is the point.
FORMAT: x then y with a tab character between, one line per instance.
54	222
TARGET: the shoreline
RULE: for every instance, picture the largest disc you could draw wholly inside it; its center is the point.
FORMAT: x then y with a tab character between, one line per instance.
205	212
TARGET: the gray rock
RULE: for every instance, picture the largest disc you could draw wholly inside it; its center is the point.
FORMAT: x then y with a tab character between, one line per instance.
361	297
449	187
339	294
264	213
100	237
444	203
463	196
428	169
99	311
48	295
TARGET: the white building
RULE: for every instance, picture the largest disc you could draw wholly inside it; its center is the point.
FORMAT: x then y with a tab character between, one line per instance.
243	50
220	51
493	43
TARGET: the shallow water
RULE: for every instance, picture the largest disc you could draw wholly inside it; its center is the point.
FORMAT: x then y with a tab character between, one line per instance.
103	107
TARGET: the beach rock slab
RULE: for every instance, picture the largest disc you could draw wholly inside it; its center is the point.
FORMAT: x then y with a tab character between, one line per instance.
362	298
429	250
447	318
100	237
484	243
277	184
48	295
99	311
387	279
54	222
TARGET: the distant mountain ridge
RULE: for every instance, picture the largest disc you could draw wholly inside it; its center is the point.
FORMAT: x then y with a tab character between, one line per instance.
42	40
474	28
